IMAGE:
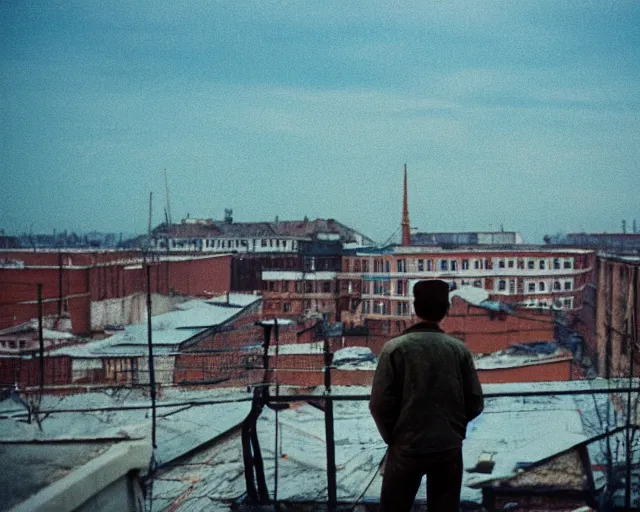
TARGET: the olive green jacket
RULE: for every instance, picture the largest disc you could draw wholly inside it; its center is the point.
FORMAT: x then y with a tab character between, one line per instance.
425	391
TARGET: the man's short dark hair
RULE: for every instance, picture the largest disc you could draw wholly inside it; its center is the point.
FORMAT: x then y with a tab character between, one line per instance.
431	299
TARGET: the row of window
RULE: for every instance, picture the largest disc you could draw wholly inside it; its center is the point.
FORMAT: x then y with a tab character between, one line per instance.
403	308
533	263
300	286
533	286
453	265
235	243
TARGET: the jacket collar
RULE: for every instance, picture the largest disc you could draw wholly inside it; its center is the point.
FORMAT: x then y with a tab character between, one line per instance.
423	327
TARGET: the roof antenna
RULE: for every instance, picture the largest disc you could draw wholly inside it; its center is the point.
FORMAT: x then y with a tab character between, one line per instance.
166	186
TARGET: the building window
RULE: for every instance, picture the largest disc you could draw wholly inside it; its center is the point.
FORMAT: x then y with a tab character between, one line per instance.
532	287
512	286
541	286
286	307
531	264
299	286
465	264
263	243
501	264
400	287
567	264
568	303
567	285
542	264
387	267
326	287
477	283
476	264
308	287
556	263
444	265
454	265
400	264
420	265
285	286
556	285
502	285
429	266
510	264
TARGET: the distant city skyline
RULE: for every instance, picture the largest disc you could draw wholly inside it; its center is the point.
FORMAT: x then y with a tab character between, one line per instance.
524	114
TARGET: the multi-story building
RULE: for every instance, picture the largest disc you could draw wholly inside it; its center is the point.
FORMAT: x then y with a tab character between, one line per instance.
298	246
279	237
378	284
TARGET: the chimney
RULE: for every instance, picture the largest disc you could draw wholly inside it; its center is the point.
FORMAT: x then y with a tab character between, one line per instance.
406	229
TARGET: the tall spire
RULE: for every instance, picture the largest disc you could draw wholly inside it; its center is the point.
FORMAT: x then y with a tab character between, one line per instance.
406	229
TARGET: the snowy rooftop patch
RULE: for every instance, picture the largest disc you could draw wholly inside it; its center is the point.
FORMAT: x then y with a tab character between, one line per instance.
180	427
352	358
170	329
236	299
506	359
515	431
471	294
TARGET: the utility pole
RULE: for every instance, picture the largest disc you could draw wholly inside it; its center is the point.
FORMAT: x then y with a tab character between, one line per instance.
631	327
40	339
152	374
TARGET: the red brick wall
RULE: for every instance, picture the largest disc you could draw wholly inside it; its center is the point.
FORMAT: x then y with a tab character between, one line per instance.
26	372
201	276
287	375
543	372
80	286
485	332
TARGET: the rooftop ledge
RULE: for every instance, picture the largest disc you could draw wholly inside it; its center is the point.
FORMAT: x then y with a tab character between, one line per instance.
84	475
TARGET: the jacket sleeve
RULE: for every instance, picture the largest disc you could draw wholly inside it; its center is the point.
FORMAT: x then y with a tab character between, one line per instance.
386	396
473	398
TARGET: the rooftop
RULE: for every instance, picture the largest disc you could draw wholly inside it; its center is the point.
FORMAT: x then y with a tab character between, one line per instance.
169	330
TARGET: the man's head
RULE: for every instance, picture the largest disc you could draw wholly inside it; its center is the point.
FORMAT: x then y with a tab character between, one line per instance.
431	299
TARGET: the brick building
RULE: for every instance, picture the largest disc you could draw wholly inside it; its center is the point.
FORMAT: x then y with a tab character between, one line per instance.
94	288
376	285
614	337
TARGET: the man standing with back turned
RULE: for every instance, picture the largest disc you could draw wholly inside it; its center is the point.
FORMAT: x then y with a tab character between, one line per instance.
424	393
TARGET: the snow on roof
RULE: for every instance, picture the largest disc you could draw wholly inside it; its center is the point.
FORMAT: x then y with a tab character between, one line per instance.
170	329
31	326
354	358
471	294
179	429
236	299
514	431
502	359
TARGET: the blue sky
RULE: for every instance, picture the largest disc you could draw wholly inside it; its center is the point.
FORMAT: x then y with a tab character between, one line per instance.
516	113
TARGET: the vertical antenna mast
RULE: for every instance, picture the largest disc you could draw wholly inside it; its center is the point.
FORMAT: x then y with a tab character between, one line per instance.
166	186
150	210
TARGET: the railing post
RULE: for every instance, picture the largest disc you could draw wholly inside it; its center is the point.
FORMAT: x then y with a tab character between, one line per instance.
332	500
